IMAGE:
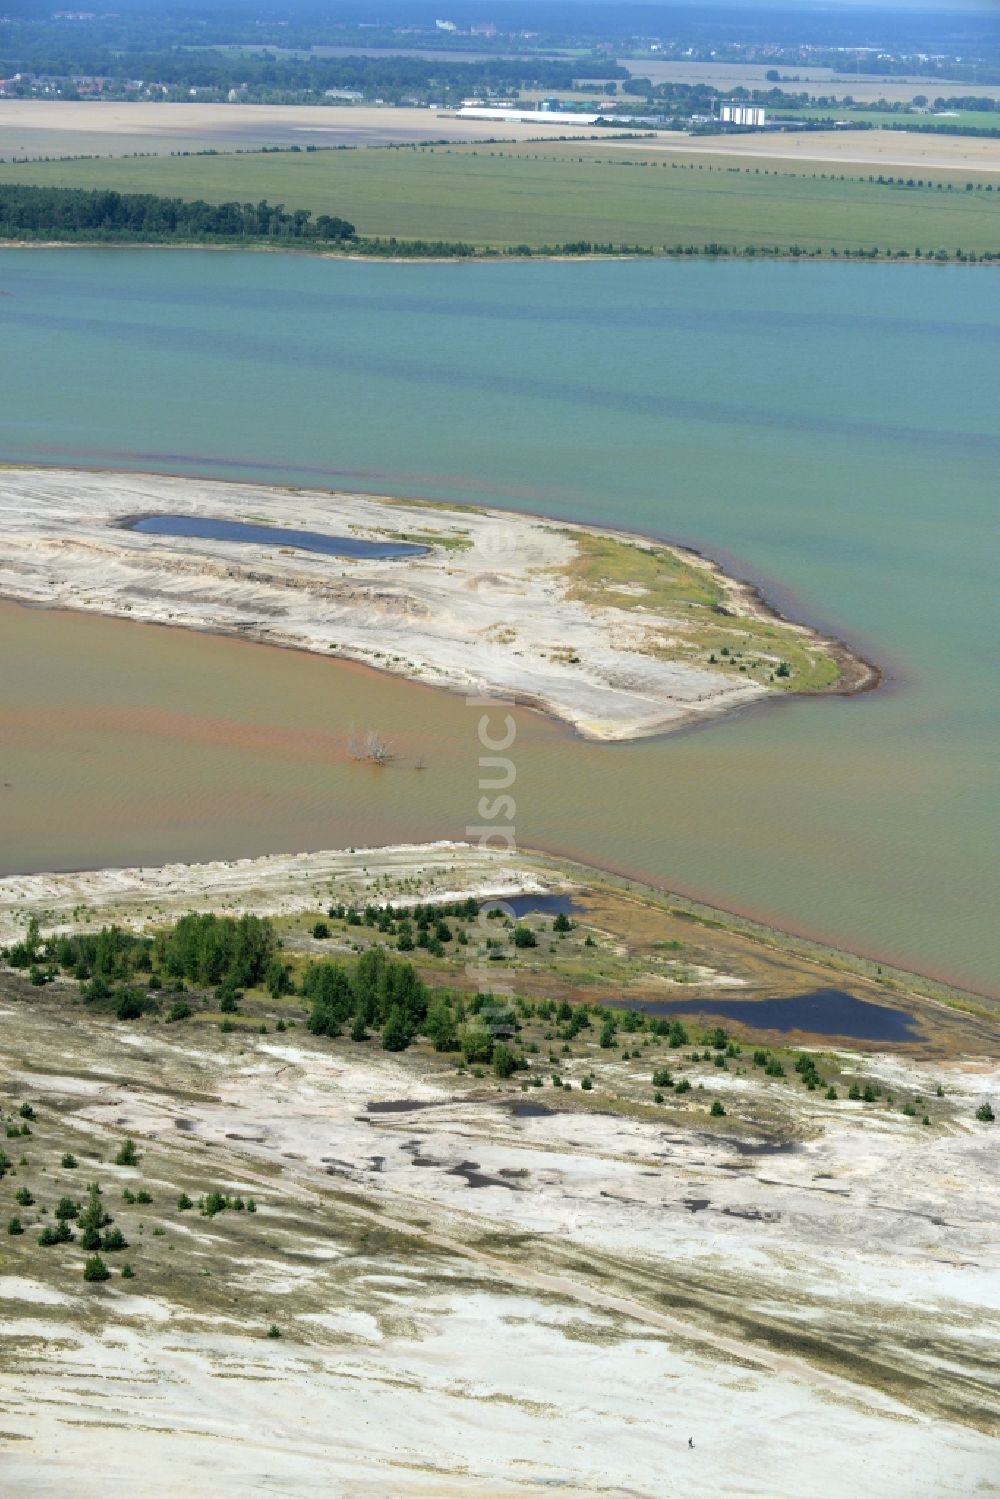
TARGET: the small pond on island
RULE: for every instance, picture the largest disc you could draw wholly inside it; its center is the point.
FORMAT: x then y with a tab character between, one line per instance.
534	905
213	529
822	1012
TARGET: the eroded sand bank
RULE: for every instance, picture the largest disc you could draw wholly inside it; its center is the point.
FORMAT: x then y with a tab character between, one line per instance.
273	885
616	635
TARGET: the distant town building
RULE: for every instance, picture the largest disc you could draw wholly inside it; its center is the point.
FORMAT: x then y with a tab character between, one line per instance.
735	112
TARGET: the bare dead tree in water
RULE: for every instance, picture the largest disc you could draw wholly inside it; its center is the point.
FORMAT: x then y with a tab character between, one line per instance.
371	748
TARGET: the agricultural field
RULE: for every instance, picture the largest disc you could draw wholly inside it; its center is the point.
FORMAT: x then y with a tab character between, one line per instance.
819	82
959	119
552	194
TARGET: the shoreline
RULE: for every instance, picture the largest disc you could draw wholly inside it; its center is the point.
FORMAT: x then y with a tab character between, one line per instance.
500	257
442	870
611	644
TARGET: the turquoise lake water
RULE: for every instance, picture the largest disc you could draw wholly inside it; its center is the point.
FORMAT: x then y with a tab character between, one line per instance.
832	432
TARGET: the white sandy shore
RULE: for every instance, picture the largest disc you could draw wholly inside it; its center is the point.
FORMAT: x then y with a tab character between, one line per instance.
273	885
487	611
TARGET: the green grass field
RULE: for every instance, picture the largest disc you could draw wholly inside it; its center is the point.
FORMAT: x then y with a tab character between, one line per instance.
550	194
979	119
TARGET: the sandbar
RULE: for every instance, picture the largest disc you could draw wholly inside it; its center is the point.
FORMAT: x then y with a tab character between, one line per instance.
619	636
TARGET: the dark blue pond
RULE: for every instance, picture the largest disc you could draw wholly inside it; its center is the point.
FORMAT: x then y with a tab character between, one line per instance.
822	1012
236	530
537	905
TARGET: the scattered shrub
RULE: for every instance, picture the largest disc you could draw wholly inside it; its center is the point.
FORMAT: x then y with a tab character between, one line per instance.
96	1269
60	1233
504	1060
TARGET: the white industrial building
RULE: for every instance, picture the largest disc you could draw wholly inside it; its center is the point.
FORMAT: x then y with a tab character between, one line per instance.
512	115
735	112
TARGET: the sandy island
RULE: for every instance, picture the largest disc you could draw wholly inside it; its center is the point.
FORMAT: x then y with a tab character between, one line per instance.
617	635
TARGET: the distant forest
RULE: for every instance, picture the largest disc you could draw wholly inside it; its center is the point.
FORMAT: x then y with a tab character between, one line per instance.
279	49
275	77
66	213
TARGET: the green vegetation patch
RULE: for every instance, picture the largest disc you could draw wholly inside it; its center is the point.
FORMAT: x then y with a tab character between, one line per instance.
535	196
608	573
617	574
452	541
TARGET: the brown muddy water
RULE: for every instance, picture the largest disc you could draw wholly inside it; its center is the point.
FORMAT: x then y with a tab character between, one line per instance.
125	743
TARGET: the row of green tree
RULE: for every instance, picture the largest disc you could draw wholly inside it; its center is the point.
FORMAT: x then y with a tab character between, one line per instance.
81	213
203	948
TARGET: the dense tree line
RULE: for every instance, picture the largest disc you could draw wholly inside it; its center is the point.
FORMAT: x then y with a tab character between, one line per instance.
202	948
94	214
81	215
389	76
